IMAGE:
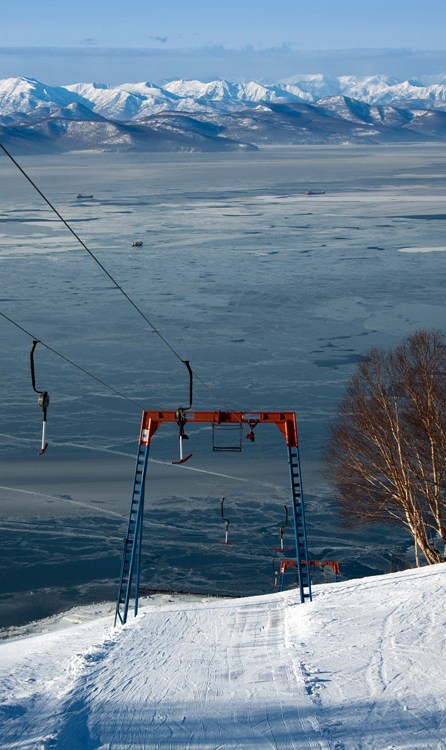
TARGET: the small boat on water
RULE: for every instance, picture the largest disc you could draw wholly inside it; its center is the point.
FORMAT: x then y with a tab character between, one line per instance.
81	196
137	243
315	192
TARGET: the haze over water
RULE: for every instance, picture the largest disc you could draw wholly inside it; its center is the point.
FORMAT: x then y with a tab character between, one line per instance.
272	295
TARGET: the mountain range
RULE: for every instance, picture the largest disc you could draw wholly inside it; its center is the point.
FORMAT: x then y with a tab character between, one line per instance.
219	115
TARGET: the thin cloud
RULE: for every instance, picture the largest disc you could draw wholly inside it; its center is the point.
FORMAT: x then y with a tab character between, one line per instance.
58	65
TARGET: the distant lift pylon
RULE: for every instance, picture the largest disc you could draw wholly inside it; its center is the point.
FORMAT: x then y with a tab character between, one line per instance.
151	421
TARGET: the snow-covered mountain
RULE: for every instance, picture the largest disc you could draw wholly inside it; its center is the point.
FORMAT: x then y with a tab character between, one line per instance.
130	101
220	114
127	101
232	94
362	666
22	95
379	89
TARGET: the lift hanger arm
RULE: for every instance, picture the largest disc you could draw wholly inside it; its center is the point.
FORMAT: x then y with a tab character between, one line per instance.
31	360
191	380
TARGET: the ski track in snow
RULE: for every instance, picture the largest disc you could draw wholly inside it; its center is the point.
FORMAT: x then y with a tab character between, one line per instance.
189	687
384	683
360	668
214	677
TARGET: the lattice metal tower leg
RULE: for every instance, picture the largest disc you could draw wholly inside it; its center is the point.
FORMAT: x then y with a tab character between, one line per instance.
300	533
131	554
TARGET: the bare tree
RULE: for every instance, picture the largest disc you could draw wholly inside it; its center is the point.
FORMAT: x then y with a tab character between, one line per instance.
387	450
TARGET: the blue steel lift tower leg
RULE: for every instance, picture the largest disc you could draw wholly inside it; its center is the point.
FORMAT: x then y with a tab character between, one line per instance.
300	532
131	554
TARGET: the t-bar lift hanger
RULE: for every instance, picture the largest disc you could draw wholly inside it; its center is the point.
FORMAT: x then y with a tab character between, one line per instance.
43	399
180	415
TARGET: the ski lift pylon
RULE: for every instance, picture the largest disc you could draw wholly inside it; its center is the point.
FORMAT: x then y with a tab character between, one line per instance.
152	420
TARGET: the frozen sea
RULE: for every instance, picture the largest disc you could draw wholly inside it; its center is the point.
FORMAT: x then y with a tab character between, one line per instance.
272	295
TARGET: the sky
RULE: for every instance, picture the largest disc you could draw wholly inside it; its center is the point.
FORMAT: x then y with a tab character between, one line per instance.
114	42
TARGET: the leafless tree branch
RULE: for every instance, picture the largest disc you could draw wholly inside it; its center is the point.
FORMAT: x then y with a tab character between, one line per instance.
387	447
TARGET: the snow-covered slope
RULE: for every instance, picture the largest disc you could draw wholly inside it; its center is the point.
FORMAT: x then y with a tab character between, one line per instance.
361	667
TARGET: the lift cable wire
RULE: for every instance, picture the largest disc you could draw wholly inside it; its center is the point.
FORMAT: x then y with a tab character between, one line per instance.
101	266
69	361
91	254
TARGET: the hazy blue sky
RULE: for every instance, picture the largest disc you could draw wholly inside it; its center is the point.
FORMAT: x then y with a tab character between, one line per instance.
158	39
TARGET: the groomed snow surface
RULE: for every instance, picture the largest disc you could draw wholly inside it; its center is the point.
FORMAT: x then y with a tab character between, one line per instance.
362	666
